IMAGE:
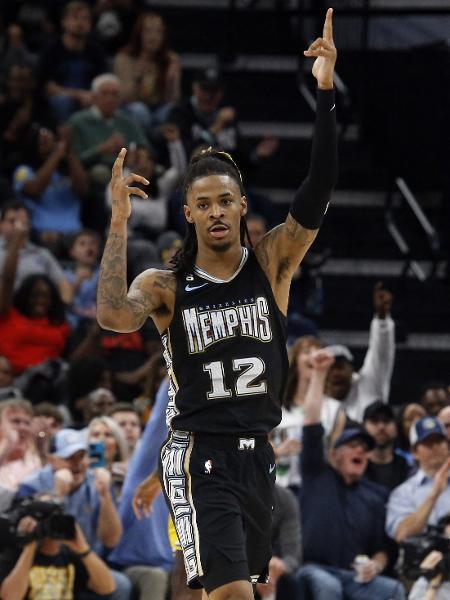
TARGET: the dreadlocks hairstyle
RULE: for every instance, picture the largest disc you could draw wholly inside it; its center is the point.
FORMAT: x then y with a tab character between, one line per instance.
207	162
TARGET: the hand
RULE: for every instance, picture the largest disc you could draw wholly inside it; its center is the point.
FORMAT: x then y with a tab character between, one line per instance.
84	97
171	132
288	447
382	300
321	360
440	482
323	48
26	525
60	149
277	568
63	482
145	494
120	190
226	115
79	543
81	273
369	571
266	590
267	147
102	478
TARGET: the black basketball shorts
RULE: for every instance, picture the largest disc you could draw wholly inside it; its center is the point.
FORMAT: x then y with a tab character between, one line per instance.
220	490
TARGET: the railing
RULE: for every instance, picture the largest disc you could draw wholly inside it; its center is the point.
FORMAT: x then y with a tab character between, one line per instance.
398	237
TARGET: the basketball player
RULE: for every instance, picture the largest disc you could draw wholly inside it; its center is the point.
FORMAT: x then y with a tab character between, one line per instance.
221	313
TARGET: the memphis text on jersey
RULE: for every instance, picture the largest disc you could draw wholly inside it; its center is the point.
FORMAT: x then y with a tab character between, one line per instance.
210	324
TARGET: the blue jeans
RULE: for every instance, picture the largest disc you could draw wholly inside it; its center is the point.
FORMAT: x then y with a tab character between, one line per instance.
316	582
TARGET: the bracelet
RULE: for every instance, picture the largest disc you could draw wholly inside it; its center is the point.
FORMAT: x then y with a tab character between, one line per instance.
84	553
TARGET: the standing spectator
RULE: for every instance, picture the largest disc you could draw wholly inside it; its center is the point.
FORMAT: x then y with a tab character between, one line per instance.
409	413
33	328
52	183
83	276
434	397
70	64
149	72
7	389
372	381
100	131
386	467
53	569
18	455
342	514
86	494
127	417
425	497
287	436
15	221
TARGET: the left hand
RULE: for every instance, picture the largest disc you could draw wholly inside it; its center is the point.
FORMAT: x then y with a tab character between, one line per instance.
369	571
321	360
325	52
102	478
79	543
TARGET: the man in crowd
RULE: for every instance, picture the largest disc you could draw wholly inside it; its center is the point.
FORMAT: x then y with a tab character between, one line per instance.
434	397
372	381
425	497
127	418
342	514
385	467
86	495
15	221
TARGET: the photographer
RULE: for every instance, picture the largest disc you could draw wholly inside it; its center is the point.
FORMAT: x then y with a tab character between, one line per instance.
53	568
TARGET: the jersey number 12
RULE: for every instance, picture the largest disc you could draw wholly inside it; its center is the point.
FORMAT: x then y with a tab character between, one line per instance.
249	370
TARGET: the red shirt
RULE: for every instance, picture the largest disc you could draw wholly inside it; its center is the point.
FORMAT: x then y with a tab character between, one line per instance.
27	342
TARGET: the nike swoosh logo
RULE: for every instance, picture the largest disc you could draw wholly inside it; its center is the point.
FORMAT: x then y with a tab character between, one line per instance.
190	288
333	107
272	468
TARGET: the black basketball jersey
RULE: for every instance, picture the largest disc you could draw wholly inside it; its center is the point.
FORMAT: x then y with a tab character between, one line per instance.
225	351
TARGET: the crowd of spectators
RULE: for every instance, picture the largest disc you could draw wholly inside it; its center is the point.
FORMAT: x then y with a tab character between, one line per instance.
82	409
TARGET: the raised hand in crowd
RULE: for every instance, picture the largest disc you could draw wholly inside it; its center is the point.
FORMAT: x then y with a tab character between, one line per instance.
63	482
382	300
145	495
225	116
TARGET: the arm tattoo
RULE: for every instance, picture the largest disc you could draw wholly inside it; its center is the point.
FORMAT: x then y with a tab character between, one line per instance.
297	233
112	282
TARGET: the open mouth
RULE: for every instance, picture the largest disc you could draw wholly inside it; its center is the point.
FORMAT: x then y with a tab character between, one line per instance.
357	461
218	231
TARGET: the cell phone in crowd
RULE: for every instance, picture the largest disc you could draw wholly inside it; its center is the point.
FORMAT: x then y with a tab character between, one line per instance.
96	452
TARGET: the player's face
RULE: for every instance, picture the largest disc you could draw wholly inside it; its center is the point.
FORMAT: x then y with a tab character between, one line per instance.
215	207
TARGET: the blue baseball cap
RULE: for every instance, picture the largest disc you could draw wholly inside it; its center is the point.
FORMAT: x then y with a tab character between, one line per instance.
68	442
424	427
354	433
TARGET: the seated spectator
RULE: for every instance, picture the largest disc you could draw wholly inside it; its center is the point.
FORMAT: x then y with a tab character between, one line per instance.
7	390
18	454
51	568
409	414
386	467
33	328
21	105
149	71
47	420
287	436
99	403
15	222
203	120
286	542
434	397
86	494
443	416
52	184
149	216
127	417
372	382
83	276
99	132
108	433
425	497
342	513
70	64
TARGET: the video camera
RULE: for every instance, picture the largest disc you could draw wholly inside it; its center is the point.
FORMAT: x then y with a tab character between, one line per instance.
415	548
52	522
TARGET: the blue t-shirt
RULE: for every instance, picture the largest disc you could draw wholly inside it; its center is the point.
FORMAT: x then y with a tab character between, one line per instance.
57	209
85	298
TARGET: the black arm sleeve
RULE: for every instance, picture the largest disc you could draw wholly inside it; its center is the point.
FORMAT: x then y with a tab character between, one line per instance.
312	197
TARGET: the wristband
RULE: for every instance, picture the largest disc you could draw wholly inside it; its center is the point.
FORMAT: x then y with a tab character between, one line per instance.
84	553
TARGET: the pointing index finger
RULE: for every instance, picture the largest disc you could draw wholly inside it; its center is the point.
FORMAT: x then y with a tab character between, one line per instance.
118	163
328	26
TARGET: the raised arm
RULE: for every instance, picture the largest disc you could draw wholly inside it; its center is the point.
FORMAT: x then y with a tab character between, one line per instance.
282	249
120	309
8	275
321	361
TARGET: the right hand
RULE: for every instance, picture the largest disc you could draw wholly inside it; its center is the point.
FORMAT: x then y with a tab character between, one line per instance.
321	360
120	190
440	482
225	116
288	447
145	495
63	482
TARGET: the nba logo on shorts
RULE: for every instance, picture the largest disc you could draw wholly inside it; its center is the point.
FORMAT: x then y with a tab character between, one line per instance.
208	466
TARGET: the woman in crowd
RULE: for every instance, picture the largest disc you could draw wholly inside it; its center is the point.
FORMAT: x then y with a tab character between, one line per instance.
286	438
149	71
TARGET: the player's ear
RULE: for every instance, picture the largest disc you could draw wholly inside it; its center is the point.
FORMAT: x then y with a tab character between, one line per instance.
187	213
243	206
